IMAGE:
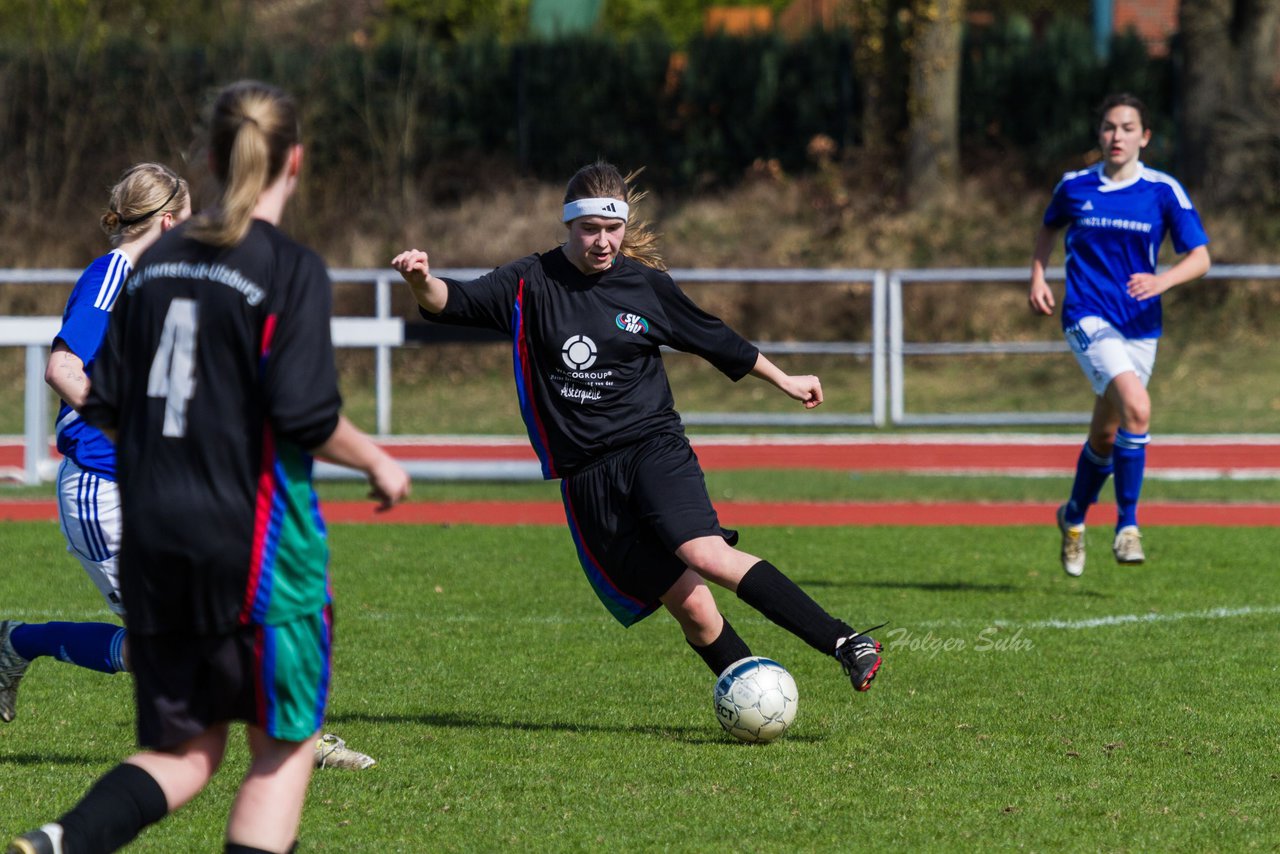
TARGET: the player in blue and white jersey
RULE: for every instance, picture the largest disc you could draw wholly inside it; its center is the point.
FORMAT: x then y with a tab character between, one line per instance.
147	201
1116	214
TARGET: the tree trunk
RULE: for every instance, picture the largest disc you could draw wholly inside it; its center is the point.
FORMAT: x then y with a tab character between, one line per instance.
1230	121
933	150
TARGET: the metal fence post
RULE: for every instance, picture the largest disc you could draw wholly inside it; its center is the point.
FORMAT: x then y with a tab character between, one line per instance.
35	416
382	358
879	367
897	406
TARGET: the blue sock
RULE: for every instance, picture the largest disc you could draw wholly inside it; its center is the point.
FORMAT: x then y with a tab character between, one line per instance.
1092	472
1131	462
97	646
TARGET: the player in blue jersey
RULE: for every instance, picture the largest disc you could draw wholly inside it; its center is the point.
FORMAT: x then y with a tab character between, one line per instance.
147	201
1116	214
587	321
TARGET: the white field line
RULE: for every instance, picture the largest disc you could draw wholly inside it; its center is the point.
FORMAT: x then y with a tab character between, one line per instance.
1151	473
1221	613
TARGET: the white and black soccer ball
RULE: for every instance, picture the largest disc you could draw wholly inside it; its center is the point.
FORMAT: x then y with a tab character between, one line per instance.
756	699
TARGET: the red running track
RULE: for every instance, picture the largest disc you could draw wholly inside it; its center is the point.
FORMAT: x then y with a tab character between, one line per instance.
743	513
1222	457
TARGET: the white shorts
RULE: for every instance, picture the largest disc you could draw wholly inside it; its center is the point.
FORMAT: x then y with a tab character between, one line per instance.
1104	354
89	514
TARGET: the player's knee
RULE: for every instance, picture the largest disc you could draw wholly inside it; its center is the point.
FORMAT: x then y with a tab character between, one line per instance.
1137	415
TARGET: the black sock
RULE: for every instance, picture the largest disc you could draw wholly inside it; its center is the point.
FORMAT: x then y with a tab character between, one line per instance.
237	848
723	651
785	604
115	810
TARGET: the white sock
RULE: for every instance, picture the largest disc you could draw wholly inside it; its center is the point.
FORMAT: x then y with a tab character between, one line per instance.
53	830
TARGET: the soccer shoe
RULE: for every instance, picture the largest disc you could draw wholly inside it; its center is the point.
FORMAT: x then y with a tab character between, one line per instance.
332	752
1072	544
46	840
1128	546
859	655
12	666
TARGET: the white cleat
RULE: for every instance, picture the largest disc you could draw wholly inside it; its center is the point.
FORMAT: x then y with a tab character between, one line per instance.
1128	546
332	752
1072	545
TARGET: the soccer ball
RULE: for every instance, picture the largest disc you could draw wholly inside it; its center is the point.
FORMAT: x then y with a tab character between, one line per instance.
755	699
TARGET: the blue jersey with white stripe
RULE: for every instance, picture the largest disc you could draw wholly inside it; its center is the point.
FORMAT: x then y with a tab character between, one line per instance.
1114	229
84	325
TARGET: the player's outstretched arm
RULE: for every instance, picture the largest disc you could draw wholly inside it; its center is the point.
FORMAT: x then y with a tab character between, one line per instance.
430	292
805	388
348	446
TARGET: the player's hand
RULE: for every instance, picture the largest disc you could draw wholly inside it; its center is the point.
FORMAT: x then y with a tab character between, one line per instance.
388	484
413	265
1040	298
806	389
1145	286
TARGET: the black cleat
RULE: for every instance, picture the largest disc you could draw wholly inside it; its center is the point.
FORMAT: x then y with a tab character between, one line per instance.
46	840
859	655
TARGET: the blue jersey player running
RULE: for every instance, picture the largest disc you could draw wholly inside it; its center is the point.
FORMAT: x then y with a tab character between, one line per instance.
147	201
1116	214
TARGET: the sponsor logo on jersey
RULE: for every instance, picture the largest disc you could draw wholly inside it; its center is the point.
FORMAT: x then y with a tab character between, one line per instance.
578	352
1088	205
1114	222
633	323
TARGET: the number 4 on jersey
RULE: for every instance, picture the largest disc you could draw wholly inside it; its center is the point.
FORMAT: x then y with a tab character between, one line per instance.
173	369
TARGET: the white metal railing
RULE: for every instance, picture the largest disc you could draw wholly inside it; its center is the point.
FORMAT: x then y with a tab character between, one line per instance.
899	349
887	348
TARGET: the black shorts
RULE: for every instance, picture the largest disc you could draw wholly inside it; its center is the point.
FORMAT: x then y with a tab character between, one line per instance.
274	677
628	514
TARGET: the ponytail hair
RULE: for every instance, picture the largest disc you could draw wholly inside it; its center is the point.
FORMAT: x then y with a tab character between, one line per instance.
602	180
251	130
144	191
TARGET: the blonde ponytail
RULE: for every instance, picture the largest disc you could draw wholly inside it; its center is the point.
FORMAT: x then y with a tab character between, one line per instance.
252	128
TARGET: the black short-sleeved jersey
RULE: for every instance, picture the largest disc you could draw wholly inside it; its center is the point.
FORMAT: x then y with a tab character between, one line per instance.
588	367
218	375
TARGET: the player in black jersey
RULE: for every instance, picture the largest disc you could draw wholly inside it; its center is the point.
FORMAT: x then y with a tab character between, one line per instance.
218	379
587	321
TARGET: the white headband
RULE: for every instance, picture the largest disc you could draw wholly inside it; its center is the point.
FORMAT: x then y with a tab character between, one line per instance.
612	208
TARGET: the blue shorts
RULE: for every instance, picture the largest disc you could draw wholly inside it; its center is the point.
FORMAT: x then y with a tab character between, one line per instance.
629	512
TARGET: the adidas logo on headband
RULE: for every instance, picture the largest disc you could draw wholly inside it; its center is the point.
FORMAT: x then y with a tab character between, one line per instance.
612	208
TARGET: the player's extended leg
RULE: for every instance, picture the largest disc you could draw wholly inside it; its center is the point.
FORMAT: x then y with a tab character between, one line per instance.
1128	395
709	634
135	794
96	646
762	586
268	807
89	516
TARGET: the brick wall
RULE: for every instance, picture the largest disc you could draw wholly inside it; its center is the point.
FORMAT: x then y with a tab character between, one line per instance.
1154	20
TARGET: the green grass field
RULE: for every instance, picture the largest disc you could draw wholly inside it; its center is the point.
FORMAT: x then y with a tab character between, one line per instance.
1130	710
